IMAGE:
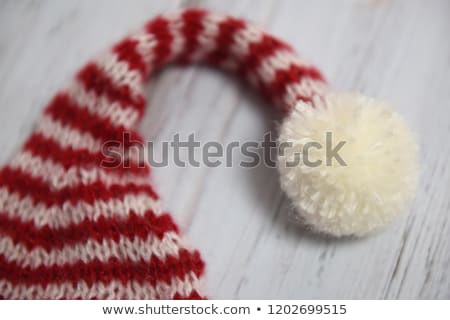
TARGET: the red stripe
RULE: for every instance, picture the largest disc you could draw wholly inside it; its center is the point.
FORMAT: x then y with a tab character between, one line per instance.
193	296
192	27
283	78
126	50
257	52
25	185
268	46
159	27
260	50
48	238
93	78
225	38
67	112
46	148
151	272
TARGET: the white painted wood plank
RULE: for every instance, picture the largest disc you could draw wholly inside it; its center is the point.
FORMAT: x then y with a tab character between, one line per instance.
397	50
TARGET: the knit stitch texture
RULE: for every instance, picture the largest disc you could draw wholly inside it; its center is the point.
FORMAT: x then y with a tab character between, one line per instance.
73	229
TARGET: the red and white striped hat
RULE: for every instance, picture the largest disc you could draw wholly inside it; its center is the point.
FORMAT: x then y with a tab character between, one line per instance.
71	228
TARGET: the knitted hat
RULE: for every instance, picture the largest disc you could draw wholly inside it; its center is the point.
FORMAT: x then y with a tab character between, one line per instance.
73	228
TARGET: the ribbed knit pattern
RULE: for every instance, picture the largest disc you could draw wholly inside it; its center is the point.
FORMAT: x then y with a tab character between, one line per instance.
73	229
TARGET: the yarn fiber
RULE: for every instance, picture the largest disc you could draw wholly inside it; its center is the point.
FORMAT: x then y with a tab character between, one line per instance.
74	229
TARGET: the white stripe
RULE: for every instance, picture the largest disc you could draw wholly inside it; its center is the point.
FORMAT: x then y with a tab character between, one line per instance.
243	39
175	28
307	87
281	60
133	249
102	107
239	50
112	290
58	177
146	43
207	38
67	137
119	72
24	208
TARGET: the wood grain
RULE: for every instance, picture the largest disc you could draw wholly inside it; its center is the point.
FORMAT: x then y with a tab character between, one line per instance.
396	50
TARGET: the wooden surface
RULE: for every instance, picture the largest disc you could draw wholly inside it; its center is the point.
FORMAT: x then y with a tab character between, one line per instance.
395	50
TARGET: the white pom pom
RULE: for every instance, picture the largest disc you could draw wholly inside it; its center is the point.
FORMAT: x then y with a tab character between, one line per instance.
369	178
